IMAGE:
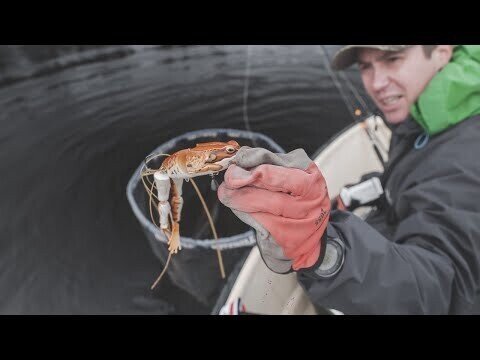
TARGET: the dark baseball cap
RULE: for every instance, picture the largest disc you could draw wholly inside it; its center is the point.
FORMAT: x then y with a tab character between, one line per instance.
347	55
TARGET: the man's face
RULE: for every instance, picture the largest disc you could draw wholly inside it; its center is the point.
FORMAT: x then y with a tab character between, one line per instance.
395	80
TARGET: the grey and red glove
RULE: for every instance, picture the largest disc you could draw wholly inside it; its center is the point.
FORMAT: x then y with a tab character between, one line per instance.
284	197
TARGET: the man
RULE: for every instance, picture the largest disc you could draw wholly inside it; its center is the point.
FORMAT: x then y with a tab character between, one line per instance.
419	251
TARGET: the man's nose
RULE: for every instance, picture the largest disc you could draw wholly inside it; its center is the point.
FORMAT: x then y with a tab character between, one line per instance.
380	80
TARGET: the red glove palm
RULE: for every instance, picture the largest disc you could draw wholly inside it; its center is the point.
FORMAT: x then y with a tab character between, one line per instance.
290	200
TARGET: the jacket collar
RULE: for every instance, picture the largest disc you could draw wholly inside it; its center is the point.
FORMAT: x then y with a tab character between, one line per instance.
407	128
452	95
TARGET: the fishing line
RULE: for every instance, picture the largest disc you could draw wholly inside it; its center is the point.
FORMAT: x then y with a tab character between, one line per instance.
246	88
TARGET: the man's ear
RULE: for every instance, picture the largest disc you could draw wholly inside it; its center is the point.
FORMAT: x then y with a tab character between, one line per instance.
442	55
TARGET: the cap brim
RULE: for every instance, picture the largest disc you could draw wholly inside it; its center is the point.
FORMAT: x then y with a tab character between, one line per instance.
347	56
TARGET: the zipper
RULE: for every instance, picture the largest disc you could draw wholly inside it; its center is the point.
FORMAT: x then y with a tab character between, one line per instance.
384	203
396	160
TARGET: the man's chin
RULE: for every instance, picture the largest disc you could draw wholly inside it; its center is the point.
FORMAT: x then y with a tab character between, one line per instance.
395	118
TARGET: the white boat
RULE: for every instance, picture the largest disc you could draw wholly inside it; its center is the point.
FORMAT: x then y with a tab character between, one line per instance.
342	161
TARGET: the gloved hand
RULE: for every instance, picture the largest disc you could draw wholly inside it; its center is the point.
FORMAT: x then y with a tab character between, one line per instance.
284	197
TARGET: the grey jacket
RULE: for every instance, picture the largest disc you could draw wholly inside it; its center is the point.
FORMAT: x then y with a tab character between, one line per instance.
419	253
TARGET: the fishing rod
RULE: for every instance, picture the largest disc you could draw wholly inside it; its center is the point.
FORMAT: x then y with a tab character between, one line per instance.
354	110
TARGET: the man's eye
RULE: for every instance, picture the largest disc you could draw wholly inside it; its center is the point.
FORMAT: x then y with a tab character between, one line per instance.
363	67
393	59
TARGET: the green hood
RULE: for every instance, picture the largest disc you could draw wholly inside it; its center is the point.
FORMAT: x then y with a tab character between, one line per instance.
453	94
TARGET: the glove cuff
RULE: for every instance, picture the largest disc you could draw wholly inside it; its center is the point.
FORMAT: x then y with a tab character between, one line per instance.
321	257
330	261
318	263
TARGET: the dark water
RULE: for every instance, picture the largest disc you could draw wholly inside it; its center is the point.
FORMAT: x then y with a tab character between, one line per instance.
76	121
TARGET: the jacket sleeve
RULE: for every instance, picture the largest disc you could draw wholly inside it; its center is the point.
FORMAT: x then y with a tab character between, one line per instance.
430	266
